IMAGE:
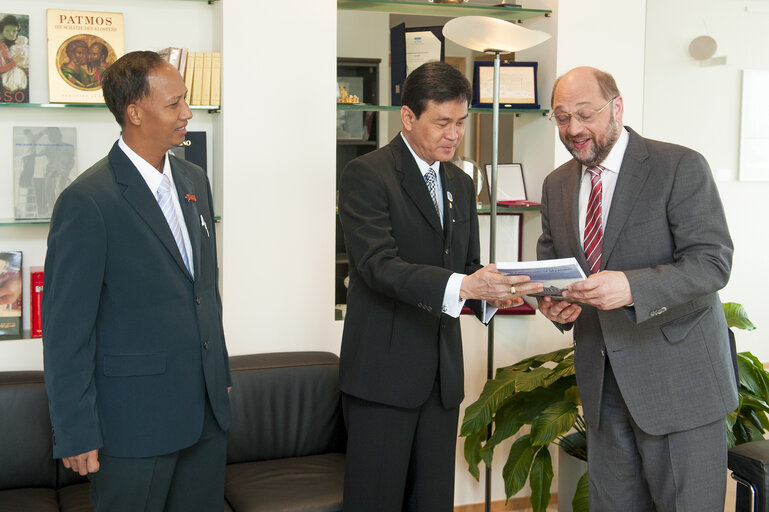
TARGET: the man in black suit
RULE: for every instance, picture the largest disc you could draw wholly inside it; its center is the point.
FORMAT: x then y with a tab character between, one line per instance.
411	270
136	368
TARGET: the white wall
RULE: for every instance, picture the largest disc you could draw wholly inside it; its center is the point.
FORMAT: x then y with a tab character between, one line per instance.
699	106
278	184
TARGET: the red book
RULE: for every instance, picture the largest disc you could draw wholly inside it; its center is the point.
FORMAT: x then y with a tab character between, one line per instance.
36	301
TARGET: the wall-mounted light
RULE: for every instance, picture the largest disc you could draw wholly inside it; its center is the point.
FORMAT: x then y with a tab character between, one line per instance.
703	48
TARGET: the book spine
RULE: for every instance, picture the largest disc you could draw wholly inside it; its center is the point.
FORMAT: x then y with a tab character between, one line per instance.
197	80
189	73
183	62
205	92
36	301
216	79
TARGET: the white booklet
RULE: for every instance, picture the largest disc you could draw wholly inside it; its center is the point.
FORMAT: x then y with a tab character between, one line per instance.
556	274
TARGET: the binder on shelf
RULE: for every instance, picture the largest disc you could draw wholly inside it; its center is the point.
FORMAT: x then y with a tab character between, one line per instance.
36	301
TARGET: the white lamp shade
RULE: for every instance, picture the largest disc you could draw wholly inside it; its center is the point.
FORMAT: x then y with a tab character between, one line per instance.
484	34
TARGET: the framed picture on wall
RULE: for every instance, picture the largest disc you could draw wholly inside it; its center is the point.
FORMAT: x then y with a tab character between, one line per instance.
517	85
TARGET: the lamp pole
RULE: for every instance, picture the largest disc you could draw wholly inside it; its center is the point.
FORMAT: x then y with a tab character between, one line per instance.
492	241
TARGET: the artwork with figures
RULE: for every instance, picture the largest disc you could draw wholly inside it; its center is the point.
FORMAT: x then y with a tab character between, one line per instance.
14	58
81	45
44	163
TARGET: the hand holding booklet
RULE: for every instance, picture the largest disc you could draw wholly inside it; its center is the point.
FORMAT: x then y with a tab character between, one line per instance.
556	275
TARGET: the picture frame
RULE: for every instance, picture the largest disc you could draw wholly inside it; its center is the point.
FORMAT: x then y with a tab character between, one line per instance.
517	85
511	185
508	237
410	47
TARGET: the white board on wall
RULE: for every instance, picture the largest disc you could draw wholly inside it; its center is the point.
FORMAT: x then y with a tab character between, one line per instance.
754	129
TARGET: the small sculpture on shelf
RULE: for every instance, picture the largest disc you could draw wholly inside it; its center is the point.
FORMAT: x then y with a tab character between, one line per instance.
344	97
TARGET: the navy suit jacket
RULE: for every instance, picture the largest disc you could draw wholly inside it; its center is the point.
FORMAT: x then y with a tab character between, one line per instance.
132	343
396	338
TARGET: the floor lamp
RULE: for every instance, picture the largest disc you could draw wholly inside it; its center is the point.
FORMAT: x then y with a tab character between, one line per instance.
492	35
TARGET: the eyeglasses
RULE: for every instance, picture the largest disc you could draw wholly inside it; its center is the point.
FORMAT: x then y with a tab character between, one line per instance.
583	115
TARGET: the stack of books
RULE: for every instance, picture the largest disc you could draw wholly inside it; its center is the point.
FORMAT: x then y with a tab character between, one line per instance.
202	72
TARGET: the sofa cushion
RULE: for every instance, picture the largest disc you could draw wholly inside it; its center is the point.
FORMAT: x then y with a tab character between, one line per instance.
30	499
284	405
25	444
306	484
74	498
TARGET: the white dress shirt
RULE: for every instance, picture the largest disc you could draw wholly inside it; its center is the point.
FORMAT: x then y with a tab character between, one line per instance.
152	178
612	164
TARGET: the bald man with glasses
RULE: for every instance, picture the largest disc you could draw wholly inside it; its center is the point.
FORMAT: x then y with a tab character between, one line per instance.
645	221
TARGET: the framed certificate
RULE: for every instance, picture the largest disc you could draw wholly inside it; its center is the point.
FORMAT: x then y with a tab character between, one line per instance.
517	85
510	184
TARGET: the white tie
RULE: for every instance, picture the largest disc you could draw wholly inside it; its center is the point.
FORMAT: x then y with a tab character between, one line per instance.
167	205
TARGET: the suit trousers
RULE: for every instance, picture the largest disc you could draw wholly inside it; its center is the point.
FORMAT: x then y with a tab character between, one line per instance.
189	480
631	470
399	459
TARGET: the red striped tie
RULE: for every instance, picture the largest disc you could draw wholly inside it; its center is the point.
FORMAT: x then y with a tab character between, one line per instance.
593	226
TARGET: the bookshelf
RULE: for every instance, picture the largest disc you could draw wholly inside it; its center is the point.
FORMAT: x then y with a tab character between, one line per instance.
146	27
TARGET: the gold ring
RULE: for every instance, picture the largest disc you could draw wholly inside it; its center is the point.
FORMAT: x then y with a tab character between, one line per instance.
512	290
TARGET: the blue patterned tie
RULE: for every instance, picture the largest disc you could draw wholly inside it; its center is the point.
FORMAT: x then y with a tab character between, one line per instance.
167	205
431	179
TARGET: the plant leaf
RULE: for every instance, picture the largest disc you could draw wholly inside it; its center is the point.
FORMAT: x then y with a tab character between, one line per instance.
554	421
473	453
533	379
540	478
736	316
581	501
516	469
538	360
478	414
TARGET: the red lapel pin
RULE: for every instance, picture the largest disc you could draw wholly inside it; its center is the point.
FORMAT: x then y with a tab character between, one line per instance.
191	198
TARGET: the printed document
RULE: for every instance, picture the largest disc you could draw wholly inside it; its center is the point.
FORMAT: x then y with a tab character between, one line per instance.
555	274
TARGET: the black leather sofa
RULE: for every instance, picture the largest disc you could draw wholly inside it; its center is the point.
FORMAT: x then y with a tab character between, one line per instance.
285	449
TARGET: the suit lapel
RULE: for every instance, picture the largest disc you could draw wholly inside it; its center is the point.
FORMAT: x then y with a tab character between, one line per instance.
138	195
631	179
413	183
185	189
447	177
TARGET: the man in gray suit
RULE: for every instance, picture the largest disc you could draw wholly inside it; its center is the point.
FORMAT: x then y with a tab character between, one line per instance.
652	354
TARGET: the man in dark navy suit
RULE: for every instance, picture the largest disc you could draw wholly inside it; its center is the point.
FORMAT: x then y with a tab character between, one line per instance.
136	367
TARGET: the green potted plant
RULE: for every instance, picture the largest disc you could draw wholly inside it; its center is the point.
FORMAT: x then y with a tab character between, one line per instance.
541	392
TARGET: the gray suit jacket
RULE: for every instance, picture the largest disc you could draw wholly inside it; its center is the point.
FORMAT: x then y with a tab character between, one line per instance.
667	232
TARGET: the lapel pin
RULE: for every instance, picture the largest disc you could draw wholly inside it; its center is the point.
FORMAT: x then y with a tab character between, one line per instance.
451	198
191	198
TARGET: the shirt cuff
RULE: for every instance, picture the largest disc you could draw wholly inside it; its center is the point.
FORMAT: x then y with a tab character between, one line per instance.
452	304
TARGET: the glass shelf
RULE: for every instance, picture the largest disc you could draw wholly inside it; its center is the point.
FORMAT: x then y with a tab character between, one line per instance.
437	9
483	110
504	209
89	105
45	222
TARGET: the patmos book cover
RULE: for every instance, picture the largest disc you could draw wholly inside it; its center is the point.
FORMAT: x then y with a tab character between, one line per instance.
81	45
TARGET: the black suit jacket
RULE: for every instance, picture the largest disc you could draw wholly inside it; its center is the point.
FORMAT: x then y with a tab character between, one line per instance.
131	341
395	335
